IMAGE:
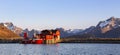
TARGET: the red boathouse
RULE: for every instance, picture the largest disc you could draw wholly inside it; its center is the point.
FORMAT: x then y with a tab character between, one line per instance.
45	37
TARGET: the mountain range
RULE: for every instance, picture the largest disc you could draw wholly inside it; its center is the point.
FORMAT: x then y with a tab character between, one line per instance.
109	28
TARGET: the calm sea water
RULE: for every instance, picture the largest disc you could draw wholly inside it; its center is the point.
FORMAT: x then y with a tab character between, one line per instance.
60	49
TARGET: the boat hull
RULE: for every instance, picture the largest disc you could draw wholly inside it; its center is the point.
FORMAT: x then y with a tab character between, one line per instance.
36	41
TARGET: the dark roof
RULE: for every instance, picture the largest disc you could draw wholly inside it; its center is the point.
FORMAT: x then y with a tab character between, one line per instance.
49	31
54	31
46	31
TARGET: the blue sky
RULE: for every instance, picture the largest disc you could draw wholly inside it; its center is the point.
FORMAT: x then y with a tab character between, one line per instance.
48	14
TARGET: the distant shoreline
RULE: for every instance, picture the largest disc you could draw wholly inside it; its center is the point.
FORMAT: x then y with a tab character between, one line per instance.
10	41
90	40
72	40
111	42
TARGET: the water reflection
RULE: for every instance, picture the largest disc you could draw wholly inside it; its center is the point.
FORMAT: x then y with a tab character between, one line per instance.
60	49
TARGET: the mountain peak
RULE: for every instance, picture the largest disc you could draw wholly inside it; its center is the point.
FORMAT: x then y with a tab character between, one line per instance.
111	19
11	27
109	22
5	33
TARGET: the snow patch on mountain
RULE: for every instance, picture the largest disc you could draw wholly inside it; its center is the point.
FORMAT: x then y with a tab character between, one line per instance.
74	31
9	25
104	23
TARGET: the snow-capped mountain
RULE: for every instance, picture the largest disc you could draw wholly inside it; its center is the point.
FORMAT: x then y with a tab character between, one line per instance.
11	27
106	29
5	33
109	24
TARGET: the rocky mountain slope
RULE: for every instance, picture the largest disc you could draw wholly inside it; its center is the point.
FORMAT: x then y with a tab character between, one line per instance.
5	33
12	27
107	29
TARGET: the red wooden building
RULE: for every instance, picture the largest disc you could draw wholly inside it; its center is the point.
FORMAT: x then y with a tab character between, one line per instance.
45	37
